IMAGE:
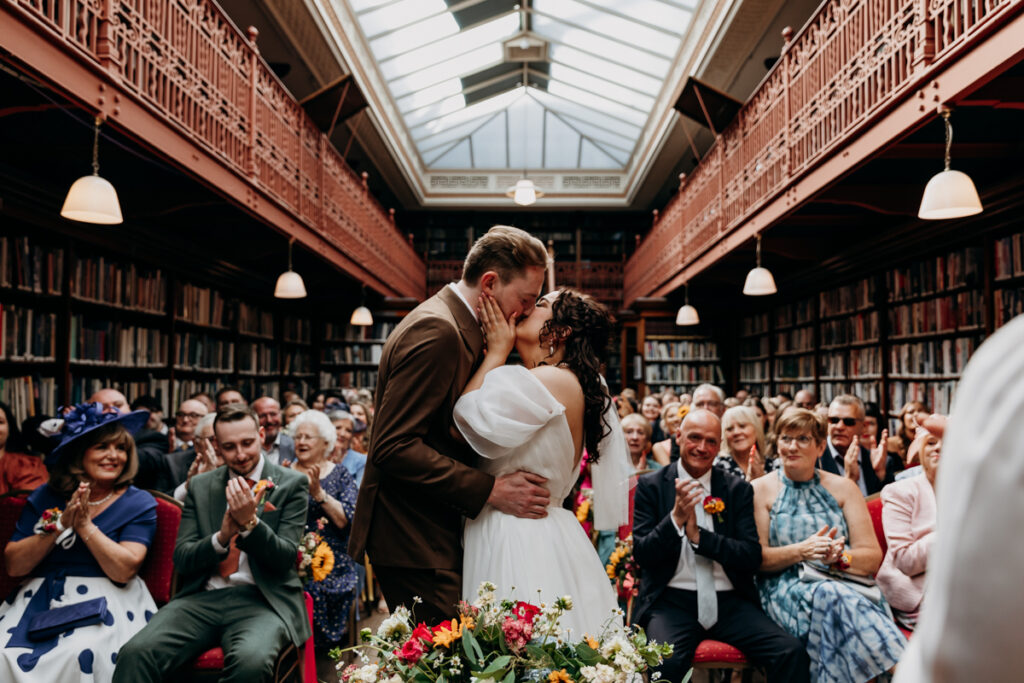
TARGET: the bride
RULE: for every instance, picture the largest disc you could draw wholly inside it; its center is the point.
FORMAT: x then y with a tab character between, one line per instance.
539	417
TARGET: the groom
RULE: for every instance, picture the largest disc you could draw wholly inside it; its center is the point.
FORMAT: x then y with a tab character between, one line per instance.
420	479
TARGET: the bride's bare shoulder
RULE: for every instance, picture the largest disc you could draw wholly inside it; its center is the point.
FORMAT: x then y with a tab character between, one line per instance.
561	382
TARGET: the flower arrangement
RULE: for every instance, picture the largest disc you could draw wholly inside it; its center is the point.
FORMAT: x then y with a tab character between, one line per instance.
714	506
585	507
500	641
623	570
316	559
49	521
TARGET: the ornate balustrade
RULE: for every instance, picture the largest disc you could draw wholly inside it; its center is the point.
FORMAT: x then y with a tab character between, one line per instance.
188	65
853	61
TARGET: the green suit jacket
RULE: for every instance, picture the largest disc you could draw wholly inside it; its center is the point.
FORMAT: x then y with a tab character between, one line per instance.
272	547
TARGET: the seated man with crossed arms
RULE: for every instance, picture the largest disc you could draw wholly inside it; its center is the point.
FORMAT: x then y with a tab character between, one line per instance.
238	585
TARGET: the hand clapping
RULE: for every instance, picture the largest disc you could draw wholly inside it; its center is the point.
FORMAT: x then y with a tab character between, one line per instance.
755	464
880	453
688	495
313	473
499	333
821	545
76	514
851	461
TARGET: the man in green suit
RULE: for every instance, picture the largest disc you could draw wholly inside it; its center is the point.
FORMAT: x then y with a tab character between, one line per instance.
238	585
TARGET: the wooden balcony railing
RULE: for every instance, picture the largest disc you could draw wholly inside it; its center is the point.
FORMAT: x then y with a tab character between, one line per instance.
853	61
188	65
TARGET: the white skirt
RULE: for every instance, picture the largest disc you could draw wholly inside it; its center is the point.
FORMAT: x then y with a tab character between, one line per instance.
88	654
539	560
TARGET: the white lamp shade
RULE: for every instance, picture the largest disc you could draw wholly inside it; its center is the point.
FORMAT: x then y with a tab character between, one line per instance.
92	199
525	192
290	286
759	282
949	194
687	315
361	316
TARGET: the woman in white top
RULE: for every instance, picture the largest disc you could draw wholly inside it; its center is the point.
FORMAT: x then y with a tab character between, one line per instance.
539	416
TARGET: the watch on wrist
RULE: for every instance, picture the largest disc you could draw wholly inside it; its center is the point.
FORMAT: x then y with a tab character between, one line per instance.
251	524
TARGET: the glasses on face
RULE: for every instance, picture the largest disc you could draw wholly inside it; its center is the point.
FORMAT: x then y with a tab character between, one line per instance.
848	421
304	437
707	404
190	416
802	440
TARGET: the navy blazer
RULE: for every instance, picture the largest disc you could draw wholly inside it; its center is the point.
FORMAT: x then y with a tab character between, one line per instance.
656	544
827	462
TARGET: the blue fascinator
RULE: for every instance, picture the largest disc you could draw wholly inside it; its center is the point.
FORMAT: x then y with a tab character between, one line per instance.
86	417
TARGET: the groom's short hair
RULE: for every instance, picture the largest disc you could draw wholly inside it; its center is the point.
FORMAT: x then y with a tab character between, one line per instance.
507	251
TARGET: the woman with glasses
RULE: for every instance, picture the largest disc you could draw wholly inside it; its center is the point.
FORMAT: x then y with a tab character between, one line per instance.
808	516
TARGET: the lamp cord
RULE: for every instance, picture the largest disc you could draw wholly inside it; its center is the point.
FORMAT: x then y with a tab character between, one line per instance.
949	135
96	148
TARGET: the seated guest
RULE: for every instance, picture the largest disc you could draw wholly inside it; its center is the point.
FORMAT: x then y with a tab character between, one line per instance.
910	413
292	409
238	586
185	420
91	549
156	412
844	455
332	496
151	445
202	457
18	471
754	403
343	454
637	431
908	517
277	446
650	408
317	399
698	567
362	411
807	515
229	395
667	451
709	397
206	400
742	445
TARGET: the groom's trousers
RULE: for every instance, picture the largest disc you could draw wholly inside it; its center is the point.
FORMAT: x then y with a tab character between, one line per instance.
439	589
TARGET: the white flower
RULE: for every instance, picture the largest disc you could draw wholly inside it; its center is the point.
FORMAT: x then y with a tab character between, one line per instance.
602	673
364	674
394	678
392	627
615	644
566	602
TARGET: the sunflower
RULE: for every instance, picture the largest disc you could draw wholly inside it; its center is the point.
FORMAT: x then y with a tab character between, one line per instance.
323	562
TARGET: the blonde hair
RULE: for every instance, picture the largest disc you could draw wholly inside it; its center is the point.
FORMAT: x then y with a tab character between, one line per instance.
507	251
639	420
746	415
68	471
803	421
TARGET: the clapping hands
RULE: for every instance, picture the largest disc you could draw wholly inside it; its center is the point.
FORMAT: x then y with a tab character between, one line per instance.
688	495
313	473
76	513
851	461
755	464
823	546
880	453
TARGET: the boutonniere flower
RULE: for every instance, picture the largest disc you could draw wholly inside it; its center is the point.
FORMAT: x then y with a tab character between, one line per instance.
49	522
714	505
261	491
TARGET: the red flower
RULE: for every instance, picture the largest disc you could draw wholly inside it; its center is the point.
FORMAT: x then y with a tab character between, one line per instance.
422	632
525	611
412	650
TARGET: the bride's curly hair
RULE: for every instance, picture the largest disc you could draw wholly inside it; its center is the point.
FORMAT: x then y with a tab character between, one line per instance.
584	326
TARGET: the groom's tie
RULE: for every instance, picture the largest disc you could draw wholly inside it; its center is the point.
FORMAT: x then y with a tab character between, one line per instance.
707	598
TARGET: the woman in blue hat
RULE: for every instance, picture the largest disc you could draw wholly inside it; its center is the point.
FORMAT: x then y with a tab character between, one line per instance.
81	540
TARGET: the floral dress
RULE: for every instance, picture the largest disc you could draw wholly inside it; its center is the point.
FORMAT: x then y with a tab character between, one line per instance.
849	638
332	597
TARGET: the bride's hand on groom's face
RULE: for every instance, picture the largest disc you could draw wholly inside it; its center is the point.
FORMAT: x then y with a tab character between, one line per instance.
499	332
521	494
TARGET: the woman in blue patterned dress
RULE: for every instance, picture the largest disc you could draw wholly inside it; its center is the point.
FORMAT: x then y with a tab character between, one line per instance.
807	515
332	497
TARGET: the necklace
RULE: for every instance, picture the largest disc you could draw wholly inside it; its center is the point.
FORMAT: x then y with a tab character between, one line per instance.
102	500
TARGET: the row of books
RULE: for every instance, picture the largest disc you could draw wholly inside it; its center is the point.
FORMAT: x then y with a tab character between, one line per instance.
755	371
82	387
202	306
257	357
794	367
1009	304
363	353
680	350
203	352
675	373
106	342
186	388
343	332
847	299
866	391
254	320
29	395
297	330
116	284
796	313
958	268
1009	256
256	387
27	265
755	347
796	339
27	334
359	379
296	361
856	362
938	396
934	357
859	327
754	324
963	311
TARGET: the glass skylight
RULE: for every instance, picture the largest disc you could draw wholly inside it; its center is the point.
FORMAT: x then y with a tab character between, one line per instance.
590	90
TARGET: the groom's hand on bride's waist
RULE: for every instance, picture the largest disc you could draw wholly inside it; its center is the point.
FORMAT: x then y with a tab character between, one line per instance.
521	494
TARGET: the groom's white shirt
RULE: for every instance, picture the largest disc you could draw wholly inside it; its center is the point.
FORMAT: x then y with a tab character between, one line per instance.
455	288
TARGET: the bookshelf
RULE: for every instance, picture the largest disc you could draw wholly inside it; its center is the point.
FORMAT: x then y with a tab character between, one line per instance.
349	354
671	359
850	353
794	346
755	354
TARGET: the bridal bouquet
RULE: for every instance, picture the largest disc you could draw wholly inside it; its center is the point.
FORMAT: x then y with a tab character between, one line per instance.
316	559
622	569
500	641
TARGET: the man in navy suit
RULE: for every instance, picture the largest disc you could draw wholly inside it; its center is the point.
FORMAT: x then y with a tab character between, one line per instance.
845	456
697	568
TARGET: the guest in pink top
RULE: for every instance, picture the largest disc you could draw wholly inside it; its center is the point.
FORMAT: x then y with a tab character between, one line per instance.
908	516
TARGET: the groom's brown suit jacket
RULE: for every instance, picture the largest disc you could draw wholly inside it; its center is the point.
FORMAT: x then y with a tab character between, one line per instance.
420	478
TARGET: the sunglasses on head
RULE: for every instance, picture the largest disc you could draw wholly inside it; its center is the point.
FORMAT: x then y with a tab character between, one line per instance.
848	421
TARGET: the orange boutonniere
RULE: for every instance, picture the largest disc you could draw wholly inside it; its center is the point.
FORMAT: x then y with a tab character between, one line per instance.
714	506
260	492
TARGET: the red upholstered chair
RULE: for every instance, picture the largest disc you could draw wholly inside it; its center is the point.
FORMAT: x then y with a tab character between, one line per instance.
158	569
875	510
10	511
714	654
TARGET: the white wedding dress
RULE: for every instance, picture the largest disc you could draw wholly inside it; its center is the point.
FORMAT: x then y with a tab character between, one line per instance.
515	423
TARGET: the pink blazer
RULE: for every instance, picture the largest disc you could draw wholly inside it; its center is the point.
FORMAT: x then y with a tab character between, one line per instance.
908	516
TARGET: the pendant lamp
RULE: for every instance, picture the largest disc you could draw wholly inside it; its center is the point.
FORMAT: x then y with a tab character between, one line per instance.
949	194
361	316
289	283
93	199
759	280
524	192
687	314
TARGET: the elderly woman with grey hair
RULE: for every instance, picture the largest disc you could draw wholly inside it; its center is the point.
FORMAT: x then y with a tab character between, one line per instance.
345	426
332	502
